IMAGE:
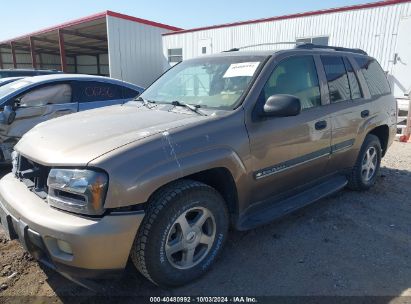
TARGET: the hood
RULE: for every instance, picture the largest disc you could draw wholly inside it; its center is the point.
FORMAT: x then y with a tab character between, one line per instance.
79	138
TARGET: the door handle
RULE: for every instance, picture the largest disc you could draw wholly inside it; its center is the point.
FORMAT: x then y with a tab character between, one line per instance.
320	125
365	113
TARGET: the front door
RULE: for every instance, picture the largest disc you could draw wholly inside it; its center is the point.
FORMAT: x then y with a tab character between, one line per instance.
289	152
33	107
38	105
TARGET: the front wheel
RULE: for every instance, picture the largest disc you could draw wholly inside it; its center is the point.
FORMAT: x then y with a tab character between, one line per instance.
182	233
365	172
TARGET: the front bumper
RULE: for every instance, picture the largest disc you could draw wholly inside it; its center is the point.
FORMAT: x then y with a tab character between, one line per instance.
100	246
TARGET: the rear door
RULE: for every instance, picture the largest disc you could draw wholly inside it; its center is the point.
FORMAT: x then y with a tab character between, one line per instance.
40	104
349	106
289	152
95	94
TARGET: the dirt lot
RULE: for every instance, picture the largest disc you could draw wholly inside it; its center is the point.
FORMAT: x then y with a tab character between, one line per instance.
349	244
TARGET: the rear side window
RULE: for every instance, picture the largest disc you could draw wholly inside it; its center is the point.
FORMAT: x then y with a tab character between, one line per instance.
296	76
337	78
352	78
374	76
130	93
89	91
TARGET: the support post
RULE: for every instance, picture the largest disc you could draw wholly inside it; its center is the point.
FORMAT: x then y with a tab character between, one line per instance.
33	54
13	54
62	52
98	65
1	59
75	65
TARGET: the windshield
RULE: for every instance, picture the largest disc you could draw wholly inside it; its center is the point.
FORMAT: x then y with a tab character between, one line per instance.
12	87
206	82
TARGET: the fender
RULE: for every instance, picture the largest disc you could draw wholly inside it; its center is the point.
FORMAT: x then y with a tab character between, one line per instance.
138	169
380	118
137	189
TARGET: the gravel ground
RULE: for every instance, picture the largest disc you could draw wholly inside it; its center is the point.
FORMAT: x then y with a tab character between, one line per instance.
351	244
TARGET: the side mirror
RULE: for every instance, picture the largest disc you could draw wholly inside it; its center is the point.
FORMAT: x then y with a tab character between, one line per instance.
282	105
8	115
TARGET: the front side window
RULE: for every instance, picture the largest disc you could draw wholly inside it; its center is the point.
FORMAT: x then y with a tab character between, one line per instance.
175	55
374	76
51	94
296	76
89	91
207	82
337	78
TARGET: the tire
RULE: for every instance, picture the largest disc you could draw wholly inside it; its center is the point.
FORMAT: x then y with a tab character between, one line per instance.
359	179
161	229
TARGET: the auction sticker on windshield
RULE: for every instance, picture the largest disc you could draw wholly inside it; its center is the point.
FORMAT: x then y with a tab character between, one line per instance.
241	69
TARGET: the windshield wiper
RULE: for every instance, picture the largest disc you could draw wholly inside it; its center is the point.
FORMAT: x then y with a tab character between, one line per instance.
146	102
194	109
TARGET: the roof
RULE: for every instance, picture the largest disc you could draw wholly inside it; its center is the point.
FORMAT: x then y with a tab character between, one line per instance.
61	76
299	15
265	53
91	18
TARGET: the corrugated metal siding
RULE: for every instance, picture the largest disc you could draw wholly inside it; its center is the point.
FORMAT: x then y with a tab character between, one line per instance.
372	29
135	51
49	61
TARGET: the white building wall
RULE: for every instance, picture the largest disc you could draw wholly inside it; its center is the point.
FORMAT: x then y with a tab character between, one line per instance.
371	29
135	51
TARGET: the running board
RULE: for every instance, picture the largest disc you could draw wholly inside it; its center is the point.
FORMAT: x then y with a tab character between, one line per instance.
271	210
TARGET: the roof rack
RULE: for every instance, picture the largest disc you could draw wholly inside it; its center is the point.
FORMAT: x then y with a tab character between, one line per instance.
310	46
260	44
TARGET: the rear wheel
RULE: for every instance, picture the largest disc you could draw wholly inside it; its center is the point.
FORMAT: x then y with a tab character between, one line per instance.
182	233
365	172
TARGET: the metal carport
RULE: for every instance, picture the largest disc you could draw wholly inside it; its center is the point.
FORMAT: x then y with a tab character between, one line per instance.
97	44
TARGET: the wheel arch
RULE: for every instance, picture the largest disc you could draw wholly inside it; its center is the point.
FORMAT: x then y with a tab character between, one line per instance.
219	178
382	132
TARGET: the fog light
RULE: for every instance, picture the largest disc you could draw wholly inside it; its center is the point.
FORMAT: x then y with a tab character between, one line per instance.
64	246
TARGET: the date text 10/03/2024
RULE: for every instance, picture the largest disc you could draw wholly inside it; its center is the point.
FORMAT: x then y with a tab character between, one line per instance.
236	299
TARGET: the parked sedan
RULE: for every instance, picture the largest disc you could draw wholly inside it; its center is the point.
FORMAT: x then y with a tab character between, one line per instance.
4	81
32	100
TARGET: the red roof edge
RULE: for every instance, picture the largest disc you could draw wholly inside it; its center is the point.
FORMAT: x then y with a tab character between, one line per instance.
60	26
92	18
311	13
143	21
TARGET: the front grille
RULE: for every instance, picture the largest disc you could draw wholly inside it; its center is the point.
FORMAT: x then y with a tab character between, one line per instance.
32	174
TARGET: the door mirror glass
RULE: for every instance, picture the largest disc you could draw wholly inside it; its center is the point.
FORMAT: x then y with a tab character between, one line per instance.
282	105
8	115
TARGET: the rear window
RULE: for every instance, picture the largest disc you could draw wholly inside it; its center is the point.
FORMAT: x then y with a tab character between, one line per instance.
374	76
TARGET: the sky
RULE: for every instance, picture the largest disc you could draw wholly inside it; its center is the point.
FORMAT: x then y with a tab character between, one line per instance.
20	17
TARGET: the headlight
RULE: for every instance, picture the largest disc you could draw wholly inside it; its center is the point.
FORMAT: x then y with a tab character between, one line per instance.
79	191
